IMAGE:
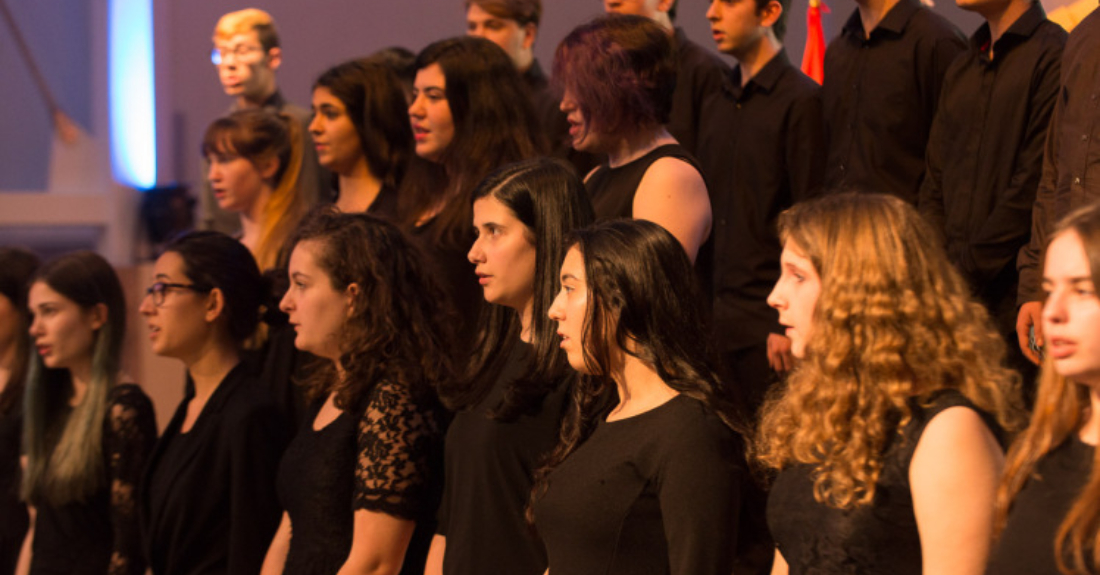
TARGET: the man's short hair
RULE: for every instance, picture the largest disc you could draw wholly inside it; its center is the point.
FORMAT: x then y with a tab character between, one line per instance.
524	12
248	20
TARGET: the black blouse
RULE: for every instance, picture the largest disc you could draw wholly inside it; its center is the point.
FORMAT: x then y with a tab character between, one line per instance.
383	455
880	537
490	465
657	493
101	534
1026	546
208	501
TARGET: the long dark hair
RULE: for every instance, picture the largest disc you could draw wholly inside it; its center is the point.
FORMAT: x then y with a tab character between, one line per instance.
548	198
64	445
398	330
494	125
642	296
215	260
374	99
16	268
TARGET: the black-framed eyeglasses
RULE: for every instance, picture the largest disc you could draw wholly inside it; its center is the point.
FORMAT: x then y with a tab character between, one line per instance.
218	55
159	289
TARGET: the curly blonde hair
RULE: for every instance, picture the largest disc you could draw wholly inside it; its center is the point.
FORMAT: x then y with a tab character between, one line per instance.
893	321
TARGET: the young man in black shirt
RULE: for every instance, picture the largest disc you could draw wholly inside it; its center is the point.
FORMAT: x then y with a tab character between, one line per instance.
1071	167
698	72
985	151
762	148
882	84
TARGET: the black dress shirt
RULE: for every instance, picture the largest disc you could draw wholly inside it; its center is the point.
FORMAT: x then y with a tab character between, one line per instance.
880	96
762	148
698	74
1071	160
985	152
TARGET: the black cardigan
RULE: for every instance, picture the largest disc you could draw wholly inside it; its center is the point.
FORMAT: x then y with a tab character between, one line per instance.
218	509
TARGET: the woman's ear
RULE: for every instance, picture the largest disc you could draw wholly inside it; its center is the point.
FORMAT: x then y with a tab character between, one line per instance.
215	304
350	293
97	316
268	168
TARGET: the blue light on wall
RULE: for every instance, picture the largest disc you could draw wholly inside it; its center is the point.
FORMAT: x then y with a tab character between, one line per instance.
132	93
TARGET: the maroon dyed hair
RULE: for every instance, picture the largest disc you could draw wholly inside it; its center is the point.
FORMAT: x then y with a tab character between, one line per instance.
621	70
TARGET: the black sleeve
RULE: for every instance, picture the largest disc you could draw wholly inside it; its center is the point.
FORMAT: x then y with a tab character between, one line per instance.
129	436
396	439
700	499
258	441
1029	259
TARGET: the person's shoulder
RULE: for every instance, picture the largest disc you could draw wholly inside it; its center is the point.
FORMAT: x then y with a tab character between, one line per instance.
1050	36
128	395
691	424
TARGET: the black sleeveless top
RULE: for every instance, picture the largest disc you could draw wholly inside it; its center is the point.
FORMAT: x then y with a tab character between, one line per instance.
880	537
1026	546
612	189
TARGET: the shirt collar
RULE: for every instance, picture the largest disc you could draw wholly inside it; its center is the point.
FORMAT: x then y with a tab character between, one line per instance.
894	21
765	79
1020	30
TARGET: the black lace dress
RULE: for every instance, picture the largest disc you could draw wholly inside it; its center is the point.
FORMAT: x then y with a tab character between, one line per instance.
101	535
385	455
881	537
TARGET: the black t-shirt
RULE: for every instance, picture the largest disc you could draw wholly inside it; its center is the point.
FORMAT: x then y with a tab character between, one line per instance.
489	468
1026	546
656	493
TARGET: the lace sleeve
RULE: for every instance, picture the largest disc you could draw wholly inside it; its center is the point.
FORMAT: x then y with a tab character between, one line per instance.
397	441
129	434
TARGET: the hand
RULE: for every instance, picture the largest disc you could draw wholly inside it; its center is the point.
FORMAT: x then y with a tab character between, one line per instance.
779	353
1029	318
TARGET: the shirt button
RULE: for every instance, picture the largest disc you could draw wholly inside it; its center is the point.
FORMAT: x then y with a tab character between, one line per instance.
1084	137
722	222
842	167
738	106
1077	181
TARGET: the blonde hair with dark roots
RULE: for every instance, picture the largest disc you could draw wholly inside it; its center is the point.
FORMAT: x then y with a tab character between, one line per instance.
893	321
1061	408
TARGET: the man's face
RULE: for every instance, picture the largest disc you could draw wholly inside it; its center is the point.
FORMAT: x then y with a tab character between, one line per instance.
647	8
735	25
514	39
245	70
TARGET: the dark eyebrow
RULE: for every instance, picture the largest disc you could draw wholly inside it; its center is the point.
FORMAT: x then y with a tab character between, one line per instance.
298	275
161	276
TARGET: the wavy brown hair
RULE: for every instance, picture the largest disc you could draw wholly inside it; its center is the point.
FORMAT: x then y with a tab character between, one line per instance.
398	330
1061	408
894	321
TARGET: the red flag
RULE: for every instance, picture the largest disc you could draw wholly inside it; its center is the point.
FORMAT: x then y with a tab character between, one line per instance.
813	58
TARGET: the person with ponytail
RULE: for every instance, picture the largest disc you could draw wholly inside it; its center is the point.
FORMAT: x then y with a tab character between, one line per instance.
1048	504
208	502
87	435
510	403
255	160
647	475
886	440
16	268
361	134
